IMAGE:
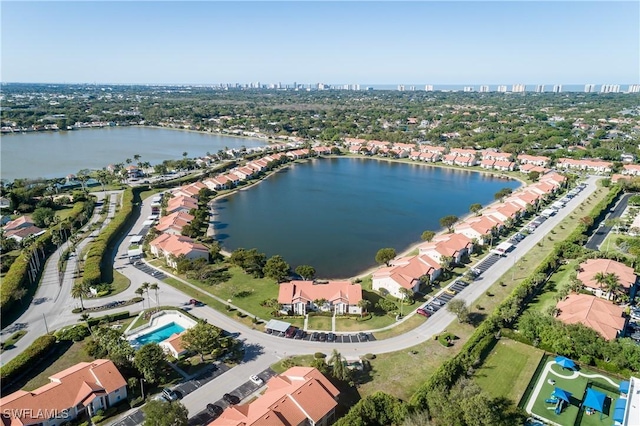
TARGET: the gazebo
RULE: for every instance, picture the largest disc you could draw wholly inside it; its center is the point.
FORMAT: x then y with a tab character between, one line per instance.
565	363
562	395
595	400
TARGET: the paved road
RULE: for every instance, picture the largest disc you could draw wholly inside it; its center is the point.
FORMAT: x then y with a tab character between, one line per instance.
262	349
601	233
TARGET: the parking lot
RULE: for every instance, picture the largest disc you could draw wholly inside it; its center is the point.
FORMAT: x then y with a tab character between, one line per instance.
324	337
183	389
149	270
204	417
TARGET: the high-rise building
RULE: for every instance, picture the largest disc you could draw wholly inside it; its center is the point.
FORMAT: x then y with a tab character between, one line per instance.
540	88
428	88
484	89
610	88
634	88
589	88
502	89
468	89
401	87
557	88
518	88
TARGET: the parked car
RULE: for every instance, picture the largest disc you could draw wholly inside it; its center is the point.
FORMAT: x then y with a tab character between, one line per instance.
169	394
322	337
195	302
214	409
331	337
451	291
291	331
363	336
257	380
314	336
230	399
300	334
422	312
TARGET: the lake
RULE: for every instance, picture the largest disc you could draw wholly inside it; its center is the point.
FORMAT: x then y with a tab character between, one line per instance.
335	214
57	154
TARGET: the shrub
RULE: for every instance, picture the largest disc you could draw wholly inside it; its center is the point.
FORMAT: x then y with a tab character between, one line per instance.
27	359
76	310
75	333
136	402
319	355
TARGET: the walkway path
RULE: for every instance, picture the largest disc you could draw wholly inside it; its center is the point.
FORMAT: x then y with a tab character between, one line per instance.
574	375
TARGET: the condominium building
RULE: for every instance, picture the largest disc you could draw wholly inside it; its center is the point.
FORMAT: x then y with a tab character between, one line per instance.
468	89
610	88
518	88
557	88
540	88
428	88
589	88
502	89
634	88
484	89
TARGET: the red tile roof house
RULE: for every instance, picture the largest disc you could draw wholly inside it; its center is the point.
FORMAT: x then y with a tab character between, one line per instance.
181	203
173	345
504	165
585	164
173	223
21	228
600	315
534	160
192	190
631	169
299	296
80	390
452	245
487	163
405	272
528	168
480	228
171	247
300	396
626	276
217	183
449	159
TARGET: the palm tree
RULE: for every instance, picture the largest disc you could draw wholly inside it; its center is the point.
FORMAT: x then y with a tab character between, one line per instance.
339	370
155	287
145	287
612	285
364	304
78	290
139	291
600	279
85	317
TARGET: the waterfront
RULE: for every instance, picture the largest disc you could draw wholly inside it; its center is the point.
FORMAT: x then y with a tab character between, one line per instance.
334	214
57	154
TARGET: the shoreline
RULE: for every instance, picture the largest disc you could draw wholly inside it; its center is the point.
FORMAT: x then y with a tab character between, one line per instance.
412	246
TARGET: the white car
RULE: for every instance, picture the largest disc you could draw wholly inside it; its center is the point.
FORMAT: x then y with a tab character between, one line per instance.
257	380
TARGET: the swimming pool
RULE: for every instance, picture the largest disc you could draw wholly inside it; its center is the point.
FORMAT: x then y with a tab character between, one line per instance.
158	335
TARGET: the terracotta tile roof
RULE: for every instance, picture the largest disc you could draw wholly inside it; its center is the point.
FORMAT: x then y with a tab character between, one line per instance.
298	394
181	202
591	267
175	221
333	291
175	341
406	270
177	245
68	388
22	221
597	314
24	232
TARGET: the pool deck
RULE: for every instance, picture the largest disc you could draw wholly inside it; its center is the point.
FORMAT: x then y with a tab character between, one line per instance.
159	320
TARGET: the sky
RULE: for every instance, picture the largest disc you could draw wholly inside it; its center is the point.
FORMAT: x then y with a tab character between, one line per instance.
348	42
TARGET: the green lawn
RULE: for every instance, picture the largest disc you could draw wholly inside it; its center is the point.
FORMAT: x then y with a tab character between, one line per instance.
319	323
507	370
71	356
547	297
352	324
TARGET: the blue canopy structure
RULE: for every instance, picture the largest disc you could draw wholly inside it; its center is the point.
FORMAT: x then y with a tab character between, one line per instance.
624	387
619	410
594	399
565	362
562	394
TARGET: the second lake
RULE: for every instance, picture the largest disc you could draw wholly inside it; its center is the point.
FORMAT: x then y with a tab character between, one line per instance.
335	214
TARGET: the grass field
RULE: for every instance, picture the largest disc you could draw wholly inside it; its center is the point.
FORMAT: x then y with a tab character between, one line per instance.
319	323
547	297
508	369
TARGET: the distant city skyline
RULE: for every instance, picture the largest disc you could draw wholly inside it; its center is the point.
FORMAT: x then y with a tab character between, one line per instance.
509	44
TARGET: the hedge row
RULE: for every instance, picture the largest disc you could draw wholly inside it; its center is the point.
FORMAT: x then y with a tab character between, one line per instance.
483	339
17	276
98	248
27	359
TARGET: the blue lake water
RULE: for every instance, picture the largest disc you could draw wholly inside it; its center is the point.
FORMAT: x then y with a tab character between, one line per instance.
57	154
159	335
335	214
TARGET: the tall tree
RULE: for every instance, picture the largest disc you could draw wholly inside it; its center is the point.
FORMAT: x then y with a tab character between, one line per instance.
459	308
155	287
150	361
163	413
306	272
385	255
427	236
338	368
78	290
276	268
203	339
364	305
475	208
448	222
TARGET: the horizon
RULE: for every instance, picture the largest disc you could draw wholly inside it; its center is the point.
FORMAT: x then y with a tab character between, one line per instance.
439	43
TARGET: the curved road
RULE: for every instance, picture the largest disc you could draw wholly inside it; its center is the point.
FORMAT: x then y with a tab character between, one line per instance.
262	349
